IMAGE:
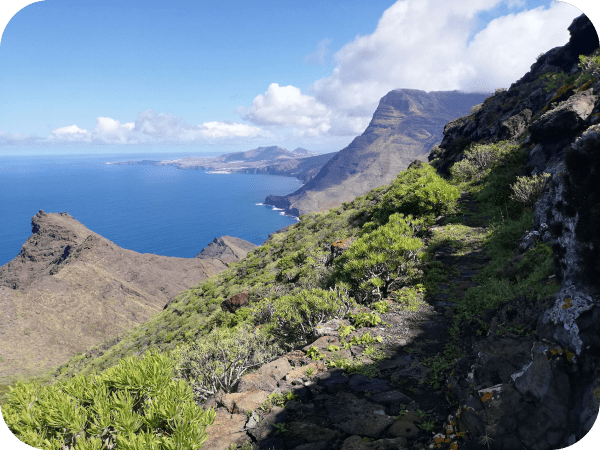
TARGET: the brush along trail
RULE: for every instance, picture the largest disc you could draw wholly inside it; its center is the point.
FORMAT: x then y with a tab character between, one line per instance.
375	381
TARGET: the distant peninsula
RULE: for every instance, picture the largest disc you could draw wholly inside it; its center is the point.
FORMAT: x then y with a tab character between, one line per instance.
274	160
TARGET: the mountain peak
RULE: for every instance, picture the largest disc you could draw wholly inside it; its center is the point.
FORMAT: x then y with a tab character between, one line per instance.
405	126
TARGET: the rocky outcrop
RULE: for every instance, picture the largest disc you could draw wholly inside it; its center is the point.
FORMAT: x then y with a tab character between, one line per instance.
70	289
541	391
330	408
406	124
236	302
227	249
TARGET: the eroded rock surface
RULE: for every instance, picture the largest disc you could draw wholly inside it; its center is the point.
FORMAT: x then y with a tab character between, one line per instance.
535	388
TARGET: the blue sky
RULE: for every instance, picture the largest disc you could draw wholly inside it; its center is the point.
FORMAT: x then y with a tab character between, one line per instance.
113	75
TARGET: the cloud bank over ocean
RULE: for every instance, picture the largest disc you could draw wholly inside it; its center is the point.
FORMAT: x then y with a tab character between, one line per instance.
466	45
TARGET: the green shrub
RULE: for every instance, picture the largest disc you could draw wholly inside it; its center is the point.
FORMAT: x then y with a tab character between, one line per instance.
365	319
493	192
476	163
377	261
135	405
345	330
555	80
220	359
479	160
365	339
475	109
291	319
528	190
418	191
381	307
314	354
410	298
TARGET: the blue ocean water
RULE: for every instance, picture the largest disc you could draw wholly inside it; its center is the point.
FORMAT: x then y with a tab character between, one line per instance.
149	209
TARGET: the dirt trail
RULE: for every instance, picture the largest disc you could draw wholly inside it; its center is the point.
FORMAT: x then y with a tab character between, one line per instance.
391	403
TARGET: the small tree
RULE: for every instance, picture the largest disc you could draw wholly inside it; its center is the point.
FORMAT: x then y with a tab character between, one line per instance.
528	190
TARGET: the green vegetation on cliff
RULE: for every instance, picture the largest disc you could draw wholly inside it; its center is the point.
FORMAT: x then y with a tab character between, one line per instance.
360	254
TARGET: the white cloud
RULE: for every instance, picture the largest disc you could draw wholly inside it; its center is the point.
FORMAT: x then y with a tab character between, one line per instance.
111	131
287	106
403	53
515	3
71	133
151	127
418	44
226	130
321	54
502	52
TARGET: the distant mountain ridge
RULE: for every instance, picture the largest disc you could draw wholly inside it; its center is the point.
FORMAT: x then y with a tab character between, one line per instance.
405	126
265	154
300	163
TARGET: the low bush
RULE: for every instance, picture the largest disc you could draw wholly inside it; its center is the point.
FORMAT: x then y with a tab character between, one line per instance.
380	260
292	319
590	64
365	319
479	160
528	190
418	191
218	361
136	405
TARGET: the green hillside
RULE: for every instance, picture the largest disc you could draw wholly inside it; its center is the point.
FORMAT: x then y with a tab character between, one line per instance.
350	262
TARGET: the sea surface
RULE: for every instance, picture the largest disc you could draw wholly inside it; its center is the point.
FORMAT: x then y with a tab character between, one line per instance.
149	209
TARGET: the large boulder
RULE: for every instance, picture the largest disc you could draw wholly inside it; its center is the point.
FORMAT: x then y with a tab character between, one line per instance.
566	119
236	302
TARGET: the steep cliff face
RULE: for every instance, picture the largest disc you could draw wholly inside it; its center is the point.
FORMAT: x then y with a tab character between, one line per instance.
406	124
551	400
70	289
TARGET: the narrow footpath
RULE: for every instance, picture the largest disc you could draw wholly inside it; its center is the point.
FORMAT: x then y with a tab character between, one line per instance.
394	399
